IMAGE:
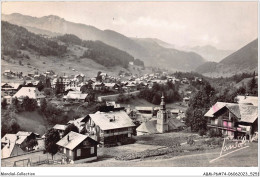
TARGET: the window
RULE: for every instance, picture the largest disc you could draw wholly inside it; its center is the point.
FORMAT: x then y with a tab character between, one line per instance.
216	121
70	152
78	152
229	124
92	150
64	150
224	123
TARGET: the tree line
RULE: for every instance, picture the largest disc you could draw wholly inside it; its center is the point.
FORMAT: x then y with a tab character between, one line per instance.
154	94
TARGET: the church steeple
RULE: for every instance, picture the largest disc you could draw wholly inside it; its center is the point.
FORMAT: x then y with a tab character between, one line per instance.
162	118
162	105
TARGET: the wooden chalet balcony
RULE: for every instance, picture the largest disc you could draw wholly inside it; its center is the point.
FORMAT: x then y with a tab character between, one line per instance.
115	133
222	127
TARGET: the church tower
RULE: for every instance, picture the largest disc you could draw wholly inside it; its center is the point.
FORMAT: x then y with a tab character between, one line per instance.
162	118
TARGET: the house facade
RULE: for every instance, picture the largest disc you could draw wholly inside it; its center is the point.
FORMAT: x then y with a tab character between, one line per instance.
31	92
233	120
10	88
110	127
78	148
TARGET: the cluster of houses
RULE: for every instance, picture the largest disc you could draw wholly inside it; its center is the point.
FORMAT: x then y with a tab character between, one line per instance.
111	125
72	85
16	144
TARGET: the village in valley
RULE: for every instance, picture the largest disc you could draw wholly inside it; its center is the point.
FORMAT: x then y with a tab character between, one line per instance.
68	102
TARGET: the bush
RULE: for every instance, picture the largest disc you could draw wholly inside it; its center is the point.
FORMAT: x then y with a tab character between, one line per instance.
128	141
190	141
202	132
214	133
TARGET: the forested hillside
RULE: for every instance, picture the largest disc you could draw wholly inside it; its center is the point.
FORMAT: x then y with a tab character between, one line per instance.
16	38
101	52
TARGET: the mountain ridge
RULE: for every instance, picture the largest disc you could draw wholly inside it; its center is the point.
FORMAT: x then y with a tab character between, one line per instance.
168	58
244	59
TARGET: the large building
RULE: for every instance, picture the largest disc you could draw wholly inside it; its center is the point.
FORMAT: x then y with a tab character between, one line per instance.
110	127
233	120
31	92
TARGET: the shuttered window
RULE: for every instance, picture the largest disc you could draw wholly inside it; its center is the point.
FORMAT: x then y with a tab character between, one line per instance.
78	152
92	150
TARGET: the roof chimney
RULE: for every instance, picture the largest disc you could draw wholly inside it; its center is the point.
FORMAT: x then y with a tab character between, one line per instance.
8	144
68	137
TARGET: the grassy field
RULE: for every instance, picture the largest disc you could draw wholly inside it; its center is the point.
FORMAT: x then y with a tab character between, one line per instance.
242	158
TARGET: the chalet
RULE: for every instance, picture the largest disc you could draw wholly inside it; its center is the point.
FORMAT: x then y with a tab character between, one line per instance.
78	148
76	95
31	92
113	103
98	86
10	88
111	86
131	87
80	77
20	139
175	113
8	72
233	120
60	128
144	110
110	127
161	124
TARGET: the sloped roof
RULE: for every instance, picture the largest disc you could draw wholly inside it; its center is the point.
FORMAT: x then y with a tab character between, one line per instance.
31	92
244	112
23	133
139	108
121	120
247	99
11	150
7	137
110	84
176	111
74	140
175	124
14	138
76	95
216	107
60	127
148	127
14	85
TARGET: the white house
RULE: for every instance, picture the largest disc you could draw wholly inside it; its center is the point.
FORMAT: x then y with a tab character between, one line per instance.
31	92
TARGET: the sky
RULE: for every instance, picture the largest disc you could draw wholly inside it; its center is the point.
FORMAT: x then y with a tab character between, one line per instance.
224	25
